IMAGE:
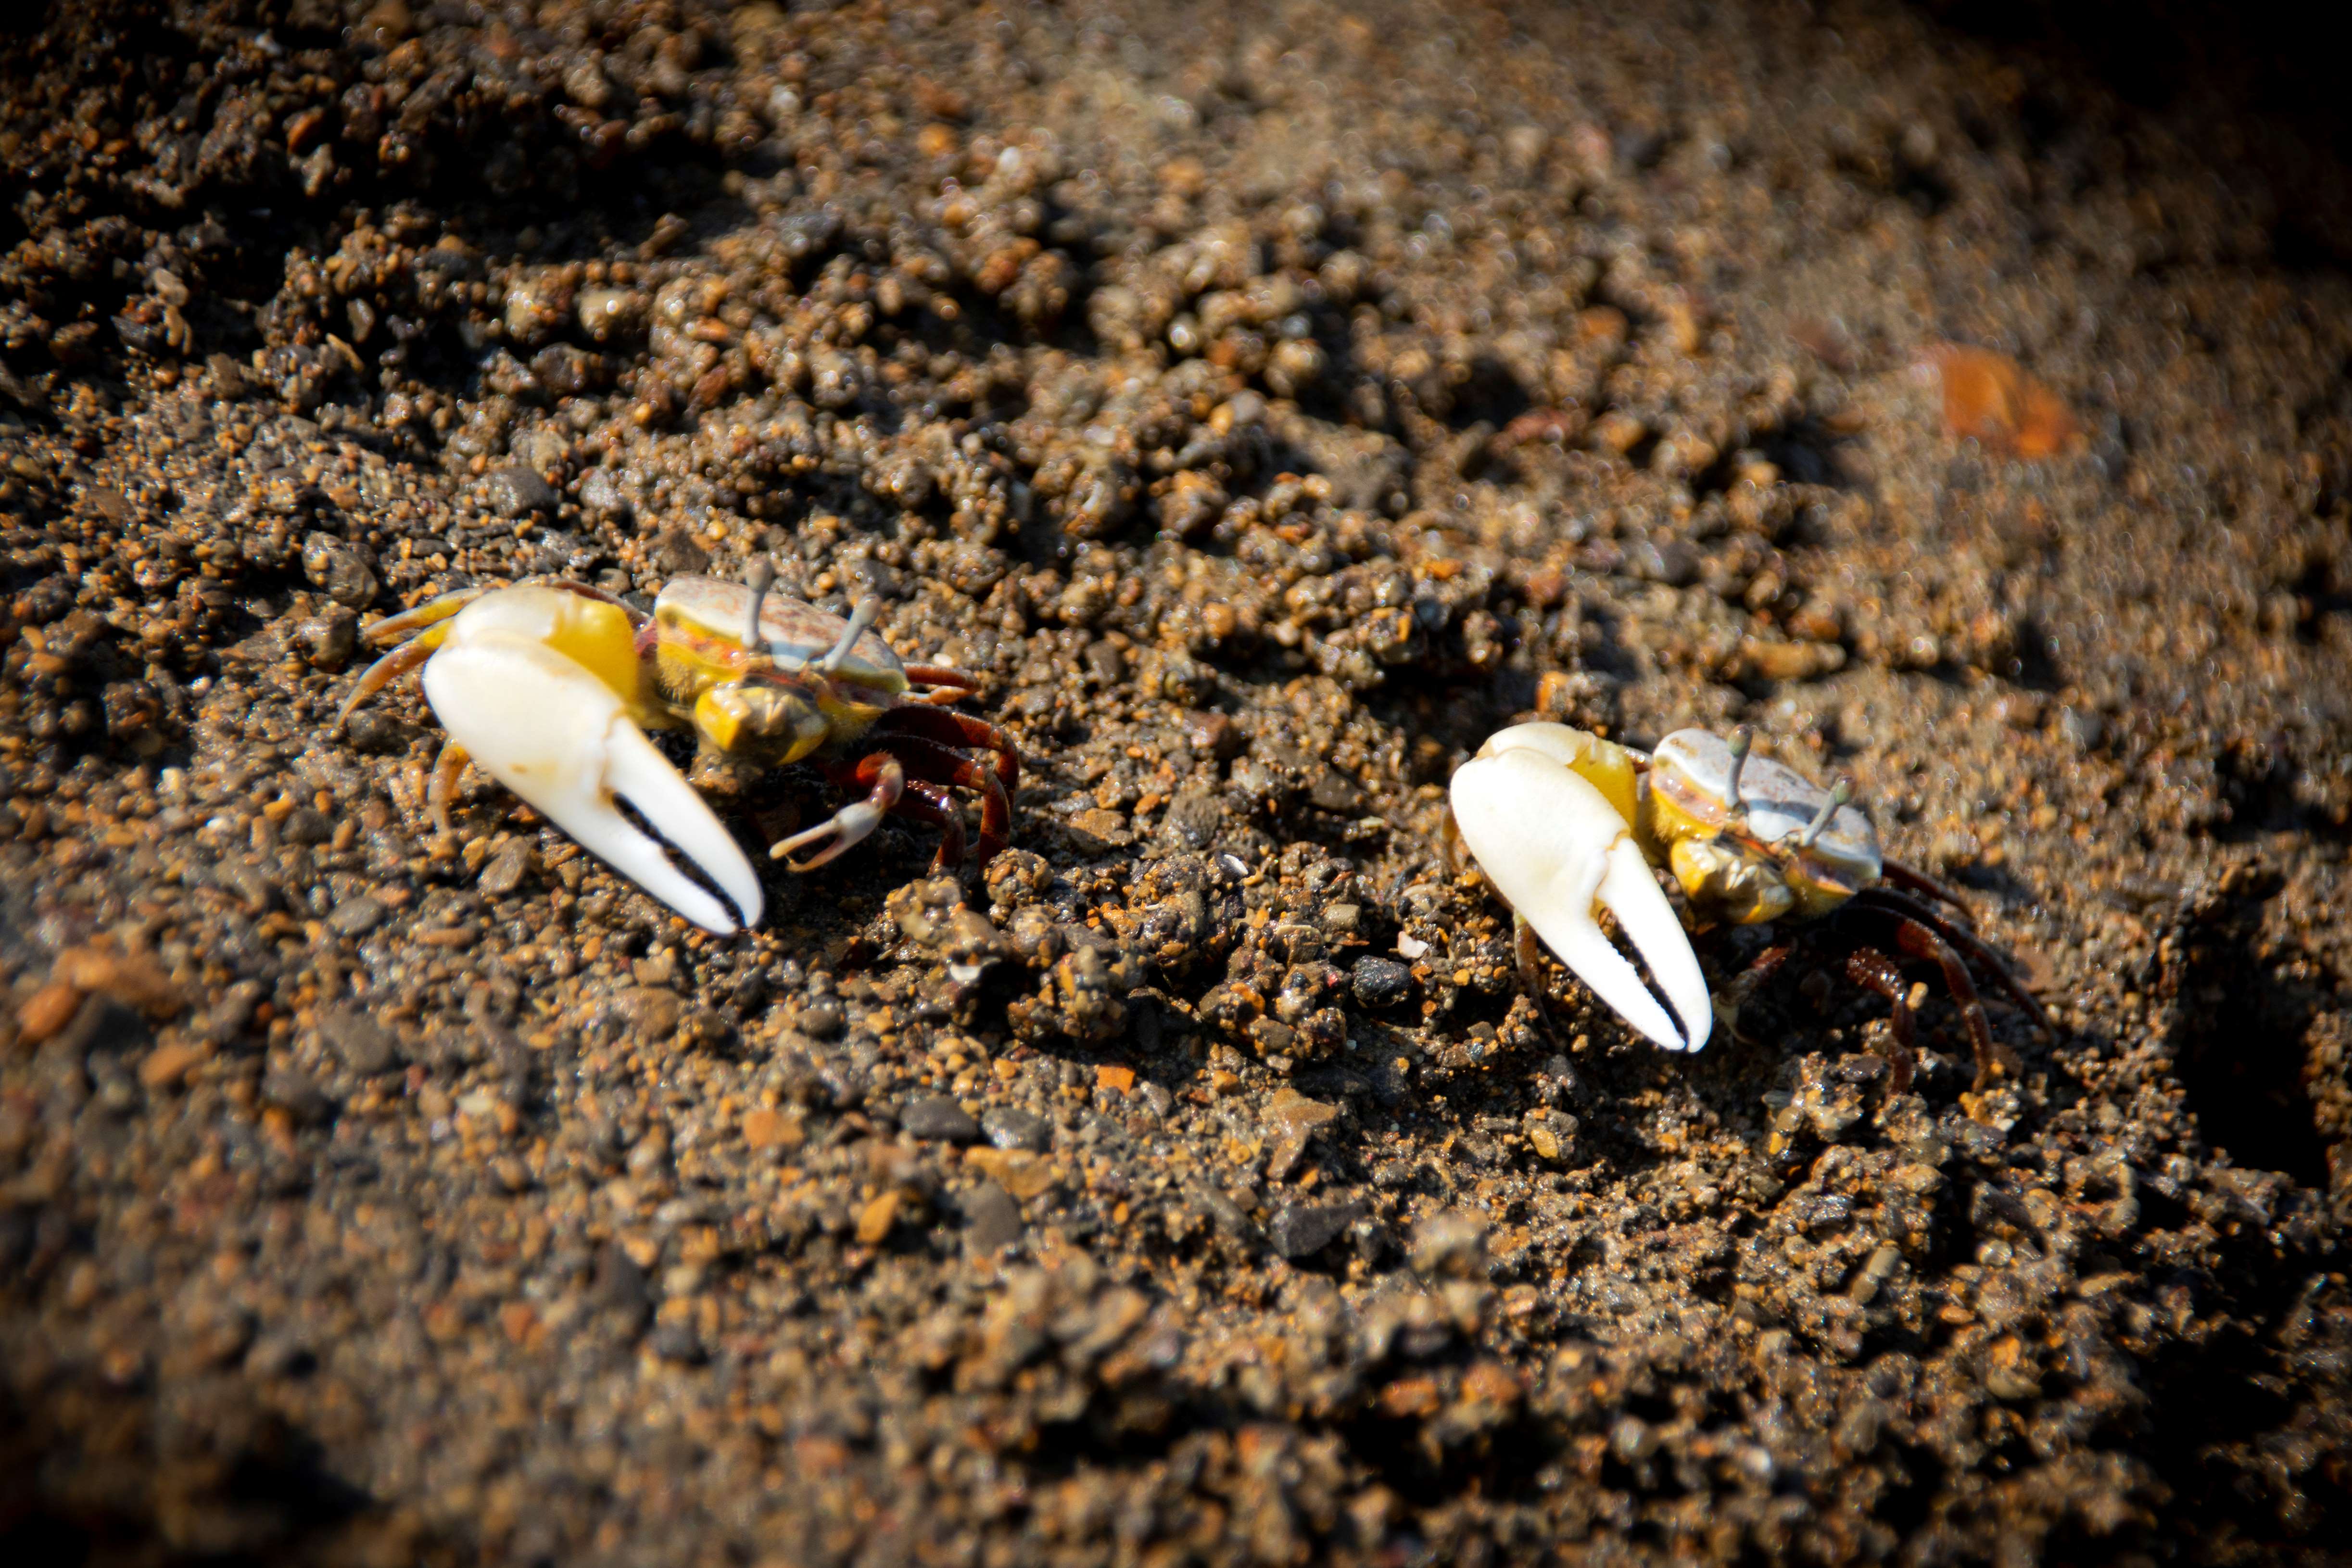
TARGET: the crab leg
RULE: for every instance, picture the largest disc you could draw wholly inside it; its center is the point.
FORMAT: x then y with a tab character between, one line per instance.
951	728
1919	940
423	617
949	684
448	769
932	804
548	728
925	758
958	730
1558	851
1910	879
881	773
1886	900
383	672
1866	967
939	730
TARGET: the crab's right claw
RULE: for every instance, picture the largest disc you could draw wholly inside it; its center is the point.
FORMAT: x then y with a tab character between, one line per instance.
548	729
1555	848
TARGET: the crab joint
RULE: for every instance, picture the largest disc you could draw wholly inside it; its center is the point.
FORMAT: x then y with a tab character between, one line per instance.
1559	850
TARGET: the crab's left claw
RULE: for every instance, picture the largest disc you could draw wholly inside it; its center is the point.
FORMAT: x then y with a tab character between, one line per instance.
1556	848
550	730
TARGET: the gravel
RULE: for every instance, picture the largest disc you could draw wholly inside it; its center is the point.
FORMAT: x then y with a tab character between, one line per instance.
1263	407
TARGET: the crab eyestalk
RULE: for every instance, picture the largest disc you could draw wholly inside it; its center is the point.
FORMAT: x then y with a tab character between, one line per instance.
1742	739
760	579
1840	794
1534	809
861	615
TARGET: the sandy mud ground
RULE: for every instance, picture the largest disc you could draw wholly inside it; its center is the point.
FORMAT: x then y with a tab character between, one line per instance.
1266	403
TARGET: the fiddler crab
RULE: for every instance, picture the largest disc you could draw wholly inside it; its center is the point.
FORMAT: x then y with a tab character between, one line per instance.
551	686
1565	823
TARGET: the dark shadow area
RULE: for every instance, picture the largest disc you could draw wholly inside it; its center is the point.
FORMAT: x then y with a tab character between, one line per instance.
2272	71
1505	1463
248	1490
2238	1040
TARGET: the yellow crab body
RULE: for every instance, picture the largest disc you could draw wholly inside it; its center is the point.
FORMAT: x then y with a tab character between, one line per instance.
550	687
1554	816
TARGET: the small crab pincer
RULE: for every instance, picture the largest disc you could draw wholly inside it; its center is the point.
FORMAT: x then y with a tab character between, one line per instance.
1548	815
1560	821
550	688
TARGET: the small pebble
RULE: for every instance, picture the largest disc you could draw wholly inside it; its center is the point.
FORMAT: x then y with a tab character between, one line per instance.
517	493
167	1064
356	916
1008	1127
935	1116
1380	982
1301	1230
296	1092
677	1343
507	869
650	1012
876	1218
1215	734
1107	662
51	1008
992	1219
305	826
1449	1242
767	1128
328	639
361	1044
620	1282
875	579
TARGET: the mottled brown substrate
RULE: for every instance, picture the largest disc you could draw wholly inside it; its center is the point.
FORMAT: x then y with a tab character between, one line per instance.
1268	407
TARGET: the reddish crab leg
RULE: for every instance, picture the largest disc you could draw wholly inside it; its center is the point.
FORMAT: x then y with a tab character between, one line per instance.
1868	967
1887	900
956	680
1913	880
926	802
881	774
944	728
929	760
1920	940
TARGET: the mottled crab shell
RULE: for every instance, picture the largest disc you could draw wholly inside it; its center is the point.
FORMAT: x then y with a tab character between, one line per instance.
1686	806
709	612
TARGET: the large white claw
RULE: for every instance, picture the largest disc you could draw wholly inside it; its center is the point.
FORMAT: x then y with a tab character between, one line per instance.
1555	848
560	738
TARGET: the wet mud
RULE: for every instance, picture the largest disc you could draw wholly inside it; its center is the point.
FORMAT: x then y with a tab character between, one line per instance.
1266	406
